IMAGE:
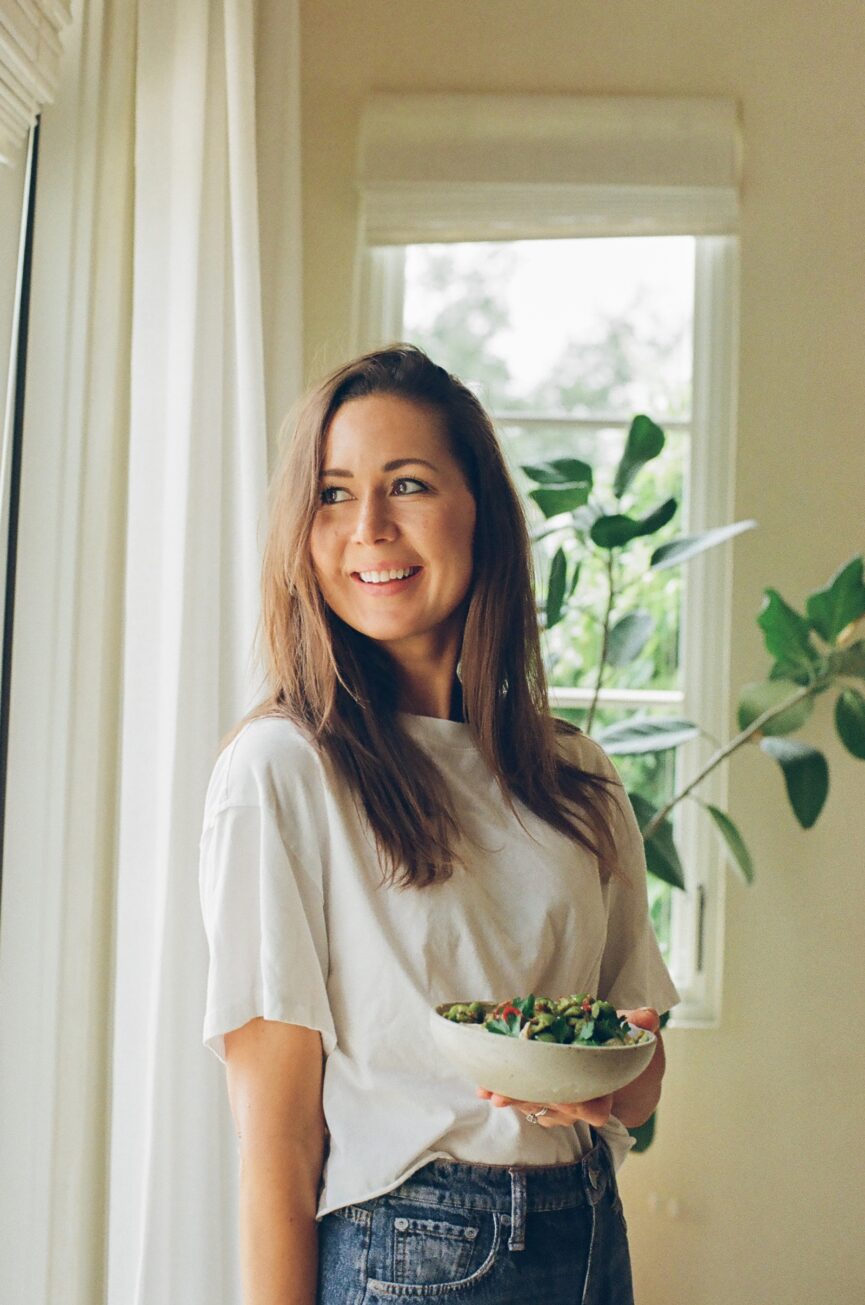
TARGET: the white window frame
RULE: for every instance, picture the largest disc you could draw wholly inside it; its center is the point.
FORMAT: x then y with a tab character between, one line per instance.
697	916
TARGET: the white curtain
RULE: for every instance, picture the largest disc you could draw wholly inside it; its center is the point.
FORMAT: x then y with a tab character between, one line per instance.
142	525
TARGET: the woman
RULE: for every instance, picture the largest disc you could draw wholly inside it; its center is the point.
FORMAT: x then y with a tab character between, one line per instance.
403	823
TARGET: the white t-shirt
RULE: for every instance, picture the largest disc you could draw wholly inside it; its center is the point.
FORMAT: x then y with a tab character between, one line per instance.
299	930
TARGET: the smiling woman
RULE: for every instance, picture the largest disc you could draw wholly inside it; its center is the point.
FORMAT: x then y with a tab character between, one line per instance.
381	525
400	823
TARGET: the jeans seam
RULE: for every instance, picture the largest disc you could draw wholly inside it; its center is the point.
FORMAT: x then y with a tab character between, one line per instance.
584	1297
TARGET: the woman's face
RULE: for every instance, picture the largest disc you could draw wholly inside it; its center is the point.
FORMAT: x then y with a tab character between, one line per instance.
392	496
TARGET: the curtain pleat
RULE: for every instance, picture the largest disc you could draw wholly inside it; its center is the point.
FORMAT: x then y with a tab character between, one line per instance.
197	479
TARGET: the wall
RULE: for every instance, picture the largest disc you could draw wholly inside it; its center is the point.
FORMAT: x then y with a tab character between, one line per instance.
761	1117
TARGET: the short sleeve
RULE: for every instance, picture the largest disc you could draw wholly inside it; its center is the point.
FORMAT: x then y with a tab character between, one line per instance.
264	918
633	972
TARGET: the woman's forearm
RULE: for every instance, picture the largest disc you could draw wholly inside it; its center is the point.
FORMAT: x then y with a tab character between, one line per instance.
278	1231
634	1103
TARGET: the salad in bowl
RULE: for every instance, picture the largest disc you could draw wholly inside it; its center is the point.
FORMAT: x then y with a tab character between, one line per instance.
557	1049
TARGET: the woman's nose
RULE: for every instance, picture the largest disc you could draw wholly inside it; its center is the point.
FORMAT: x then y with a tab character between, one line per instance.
374	520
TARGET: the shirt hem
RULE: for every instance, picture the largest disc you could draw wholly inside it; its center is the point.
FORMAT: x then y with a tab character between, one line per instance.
404	1176
383	1191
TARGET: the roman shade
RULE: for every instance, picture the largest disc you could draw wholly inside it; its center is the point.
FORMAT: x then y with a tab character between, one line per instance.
445	167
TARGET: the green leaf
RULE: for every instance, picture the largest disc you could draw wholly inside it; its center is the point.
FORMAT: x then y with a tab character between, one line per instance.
563	499
662	859
688	546
787	635
641	734
574	578
560	471
806	776
526	1005
613	531
754	699
734	841
645	441
497	1026
849	661
556	589
832	609
780	671
850	721
644	1133
658	517
616	529
628	637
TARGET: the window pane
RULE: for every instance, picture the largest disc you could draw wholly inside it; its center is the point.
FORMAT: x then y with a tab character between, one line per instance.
590	327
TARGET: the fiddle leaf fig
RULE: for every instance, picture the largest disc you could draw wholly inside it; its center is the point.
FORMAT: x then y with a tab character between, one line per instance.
645	441
806	776
560	471
616	529
643	1134
832	609
786	633
688	546
849	661
735	844
556	589
638	734
754	699
850	721
662	859
563	498
628	637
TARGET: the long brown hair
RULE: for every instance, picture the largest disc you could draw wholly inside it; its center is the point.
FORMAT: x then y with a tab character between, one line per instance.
338	686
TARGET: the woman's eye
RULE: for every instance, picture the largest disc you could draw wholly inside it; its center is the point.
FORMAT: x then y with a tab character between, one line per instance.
401	480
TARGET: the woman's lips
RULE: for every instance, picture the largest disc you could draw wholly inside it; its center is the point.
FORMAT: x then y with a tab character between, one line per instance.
387	586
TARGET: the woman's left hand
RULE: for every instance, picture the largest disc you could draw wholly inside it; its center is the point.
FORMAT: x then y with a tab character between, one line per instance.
595	1112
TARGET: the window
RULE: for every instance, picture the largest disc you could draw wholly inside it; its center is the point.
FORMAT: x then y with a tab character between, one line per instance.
568	318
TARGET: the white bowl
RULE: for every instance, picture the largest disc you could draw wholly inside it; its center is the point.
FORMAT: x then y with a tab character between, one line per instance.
528	1070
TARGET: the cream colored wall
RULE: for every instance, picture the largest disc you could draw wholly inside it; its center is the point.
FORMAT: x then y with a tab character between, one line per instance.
760	1131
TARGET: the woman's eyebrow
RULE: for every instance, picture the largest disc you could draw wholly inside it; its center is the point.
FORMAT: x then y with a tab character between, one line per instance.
388	466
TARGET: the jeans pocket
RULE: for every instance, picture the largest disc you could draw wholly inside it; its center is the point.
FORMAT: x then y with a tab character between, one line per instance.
430	1252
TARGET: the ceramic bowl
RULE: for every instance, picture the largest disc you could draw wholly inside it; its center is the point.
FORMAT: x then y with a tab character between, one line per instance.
527	1070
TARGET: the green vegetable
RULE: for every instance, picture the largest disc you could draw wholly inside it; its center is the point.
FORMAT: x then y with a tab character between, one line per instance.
580	1017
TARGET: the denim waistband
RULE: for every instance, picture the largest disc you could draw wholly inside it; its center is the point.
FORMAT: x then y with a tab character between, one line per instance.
491	1187
511	1190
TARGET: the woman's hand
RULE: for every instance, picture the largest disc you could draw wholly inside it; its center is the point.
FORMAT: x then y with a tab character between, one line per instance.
597	1111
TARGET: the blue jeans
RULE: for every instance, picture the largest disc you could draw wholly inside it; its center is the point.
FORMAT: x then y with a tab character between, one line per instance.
473	1234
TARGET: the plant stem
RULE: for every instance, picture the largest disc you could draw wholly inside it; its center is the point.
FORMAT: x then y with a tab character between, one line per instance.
605	639
715	760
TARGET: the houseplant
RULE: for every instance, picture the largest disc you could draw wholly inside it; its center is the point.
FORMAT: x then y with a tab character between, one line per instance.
814	651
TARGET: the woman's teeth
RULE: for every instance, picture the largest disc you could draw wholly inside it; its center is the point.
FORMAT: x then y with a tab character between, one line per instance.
381	577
